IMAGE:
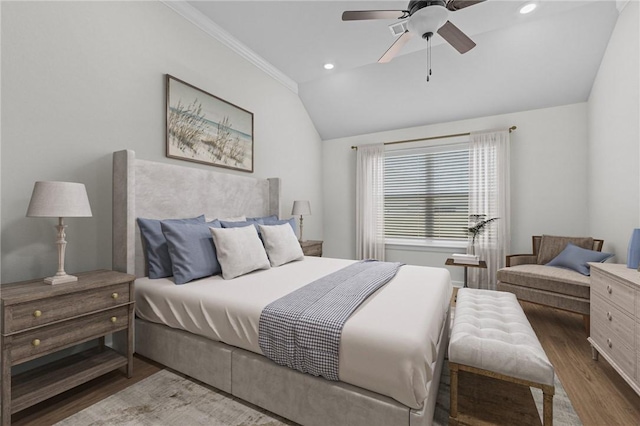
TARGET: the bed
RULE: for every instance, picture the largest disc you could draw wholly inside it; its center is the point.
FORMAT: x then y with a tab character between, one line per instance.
392	347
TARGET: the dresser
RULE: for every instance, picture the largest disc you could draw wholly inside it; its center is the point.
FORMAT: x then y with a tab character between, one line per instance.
311	248
615	319
39	319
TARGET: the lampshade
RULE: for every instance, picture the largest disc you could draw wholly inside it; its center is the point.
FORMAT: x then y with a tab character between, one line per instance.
59	199
300	208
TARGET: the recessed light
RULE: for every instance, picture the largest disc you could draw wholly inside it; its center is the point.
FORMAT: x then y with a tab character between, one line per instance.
328	66
528	8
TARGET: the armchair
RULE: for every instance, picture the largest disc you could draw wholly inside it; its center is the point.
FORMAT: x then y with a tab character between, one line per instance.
528	277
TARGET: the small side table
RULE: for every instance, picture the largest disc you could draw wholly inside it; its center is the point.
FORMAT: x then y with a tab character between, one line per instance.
482	264
311	248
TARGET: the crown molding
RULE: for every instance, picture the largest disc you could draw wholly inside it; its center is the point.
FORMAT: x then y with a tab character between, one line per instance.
198	19
620	5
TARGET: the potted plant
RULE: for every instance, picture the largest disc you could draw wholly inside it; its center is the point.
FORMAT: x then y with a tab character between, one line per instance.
478	224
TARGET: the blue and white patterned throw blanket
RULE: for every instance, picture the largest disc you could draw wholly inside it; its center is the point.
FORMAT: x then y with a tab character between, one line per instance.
302	329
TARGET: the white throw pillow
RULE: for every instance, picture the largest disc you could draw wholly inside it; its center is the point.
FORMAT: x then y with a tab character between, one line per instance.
281	244
239	250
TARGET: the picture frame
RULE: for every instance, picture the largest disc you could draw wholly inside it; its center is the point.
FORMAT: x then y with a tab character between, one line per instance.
204	128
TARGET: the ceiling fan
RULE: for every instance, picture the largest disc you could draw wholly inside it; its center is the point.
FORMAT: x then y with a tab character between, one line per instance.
423	18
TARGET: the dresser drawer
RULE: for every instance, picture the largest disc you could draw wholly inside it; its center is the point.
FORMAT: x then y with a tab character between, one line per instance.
34	343
615	346
41	312
614	291
613	319
638	351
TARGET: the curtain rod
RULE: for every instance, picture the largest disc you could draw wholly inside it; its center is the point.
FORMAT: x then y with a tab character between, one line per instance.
511	129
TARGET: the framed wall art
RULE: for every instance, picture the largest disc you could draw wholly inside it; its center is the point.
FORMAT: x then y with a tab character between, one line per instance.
203	128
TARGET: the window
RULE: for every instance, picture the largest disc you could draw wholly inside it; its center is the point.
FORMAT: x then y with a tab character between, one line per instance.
426	194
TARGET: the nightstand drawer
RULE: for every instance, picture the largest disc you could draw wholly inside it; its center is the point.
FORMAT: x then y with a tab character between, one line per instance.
612	290
313	251
612	319
41	312
311	248
34	343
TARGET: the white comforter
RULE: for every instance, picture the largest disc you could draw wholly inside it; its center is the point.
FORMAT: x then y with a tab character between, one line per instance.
388	345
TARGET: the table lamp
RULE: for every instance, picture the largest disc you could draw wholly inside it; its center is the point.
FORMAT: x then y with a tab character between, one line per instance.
301	208
59	199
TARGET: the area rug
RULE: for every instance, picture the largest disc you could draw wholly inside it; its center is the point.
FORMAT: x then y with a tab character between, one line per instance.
166	398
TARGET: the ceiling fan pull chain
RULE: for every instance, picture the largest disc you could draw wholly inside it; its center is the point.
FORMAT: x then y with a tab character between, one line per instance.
428	60
428	37
430	55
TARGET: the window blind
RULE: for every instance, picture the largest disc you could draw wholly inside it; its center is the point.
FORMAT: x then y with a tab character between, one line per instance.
426	193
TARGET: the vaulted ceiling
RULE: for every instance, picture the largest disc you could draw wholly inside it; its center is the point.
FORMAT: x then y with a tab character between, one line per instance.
546	58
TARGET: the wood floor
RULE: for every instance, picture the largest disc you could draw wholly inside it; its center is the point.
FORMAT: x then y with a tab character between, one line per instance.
599	395
597	392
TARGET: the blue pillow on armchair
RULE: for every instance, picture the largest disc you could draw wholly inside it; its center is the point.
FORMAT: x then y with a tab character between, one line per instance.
577	258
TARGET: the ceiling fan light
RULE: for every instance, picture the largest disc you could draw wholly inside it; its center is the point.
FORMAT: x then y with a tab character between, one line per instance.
528	8
328	66
428	20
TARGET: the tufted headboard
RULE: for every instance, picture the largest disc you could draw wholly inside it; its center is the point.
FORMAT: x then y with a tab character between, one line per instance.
160	191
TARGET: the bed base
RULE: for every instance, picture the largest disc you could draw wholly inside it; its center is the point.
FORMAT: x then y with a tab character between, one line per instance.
299	397
160	190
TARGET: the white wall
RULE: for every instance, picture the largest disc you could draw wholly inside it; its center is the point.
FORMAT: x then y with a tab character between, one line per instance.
83	79
614	137
548	179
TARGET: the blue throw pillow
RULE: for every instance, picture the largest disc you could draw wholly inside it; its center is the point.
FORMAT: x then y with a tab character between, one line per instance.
158	260
248	222
290	221
261	220
255	221
576	258
191	248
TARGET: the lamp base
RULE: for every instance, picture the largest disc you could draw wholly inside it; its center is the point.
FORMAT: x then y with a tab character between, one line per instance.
61	279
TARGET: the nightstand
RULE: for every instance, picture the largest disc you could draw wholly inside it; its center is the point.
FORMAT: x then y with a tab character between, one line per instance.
39	319
451	262
311	248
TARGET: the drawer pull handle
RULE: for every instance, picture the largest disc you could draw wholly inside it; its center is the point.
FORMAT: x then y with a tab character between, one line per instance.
609	289
36	342
37	313
609	316
114	295
114	319
609	343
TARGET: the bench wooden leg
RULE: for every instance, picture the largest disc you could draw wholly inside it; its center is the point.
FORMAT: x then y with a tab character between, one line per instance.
453	394
547	405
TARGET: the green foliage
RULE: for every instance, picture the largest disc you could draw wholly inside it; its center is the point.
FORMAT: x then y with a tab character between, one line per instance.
480	223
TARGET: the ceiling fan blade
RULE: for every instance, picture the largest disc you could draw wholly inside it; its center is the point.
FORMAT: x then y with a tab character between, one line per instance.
456	38
454	5
359	15
395	47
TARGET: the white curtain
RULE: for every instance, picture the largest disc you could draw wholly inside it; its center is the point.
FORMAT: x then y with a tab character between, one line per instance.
489	195
370	202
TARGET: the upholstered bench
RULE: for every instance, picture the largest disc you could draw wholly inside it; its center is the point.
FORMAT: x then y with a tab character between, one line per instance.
491	336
